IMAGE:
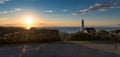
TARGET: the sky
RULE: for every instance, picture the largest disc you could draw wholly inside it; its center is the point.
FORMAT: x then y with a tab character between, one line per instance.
60	13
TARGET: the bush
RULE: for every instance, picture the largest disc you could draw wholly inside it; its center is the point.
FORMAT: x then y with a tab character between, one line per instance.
64	36
100	35
21	35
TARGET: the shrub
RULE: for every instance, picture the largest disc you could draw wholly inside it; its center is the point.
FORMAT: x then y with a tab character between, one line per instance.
21	35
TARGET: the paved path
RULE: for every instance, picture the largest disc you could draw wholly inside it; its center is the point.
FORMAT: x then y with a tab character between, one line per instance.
61	50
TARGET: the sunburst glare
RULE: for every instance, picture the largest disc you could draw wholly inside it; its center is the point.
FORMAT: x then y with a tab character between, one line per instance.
28	22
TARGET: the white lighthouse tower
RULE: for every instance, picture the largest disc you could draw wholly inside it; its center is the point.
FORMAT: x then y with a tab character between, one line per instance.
82	25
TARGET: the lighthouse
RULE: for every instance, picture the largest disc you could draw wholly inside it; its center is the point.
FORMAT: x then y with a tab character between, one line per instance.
86	30
82	25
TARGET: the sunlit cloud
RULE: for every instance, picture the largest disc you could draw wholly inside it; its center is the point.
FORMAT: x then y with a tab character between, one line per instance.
49	11
3	18
99	7
3	1
12	24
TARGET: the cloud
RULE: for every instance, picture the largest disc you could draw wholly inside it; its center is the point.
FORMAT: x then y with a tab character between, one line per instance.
5	12
3	1
11	11
65	10
115	7
99	7
15	10
49	11
3	18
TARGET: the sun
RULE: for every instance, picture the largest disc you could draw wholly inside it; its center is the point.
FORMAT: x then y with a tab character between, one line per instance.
28	22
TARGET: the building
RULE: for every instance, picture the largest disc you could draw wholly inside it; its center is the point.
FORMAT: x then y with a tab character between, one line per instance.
86	30
89	30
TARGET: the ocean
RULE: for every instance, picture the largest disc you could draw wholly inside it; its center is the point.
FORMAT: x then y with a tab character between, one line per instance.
76	29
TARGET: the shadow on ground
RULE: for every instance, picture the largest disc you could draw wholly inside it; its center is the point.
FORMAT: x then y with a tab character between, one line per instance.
61	50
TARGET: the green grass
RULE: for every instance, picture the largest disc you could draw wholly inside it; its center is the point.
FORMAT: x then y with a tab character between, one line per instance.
92	42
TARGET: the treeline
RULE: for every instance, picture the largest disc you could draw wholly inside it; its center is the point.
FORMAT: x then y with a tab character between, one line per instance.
33	35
